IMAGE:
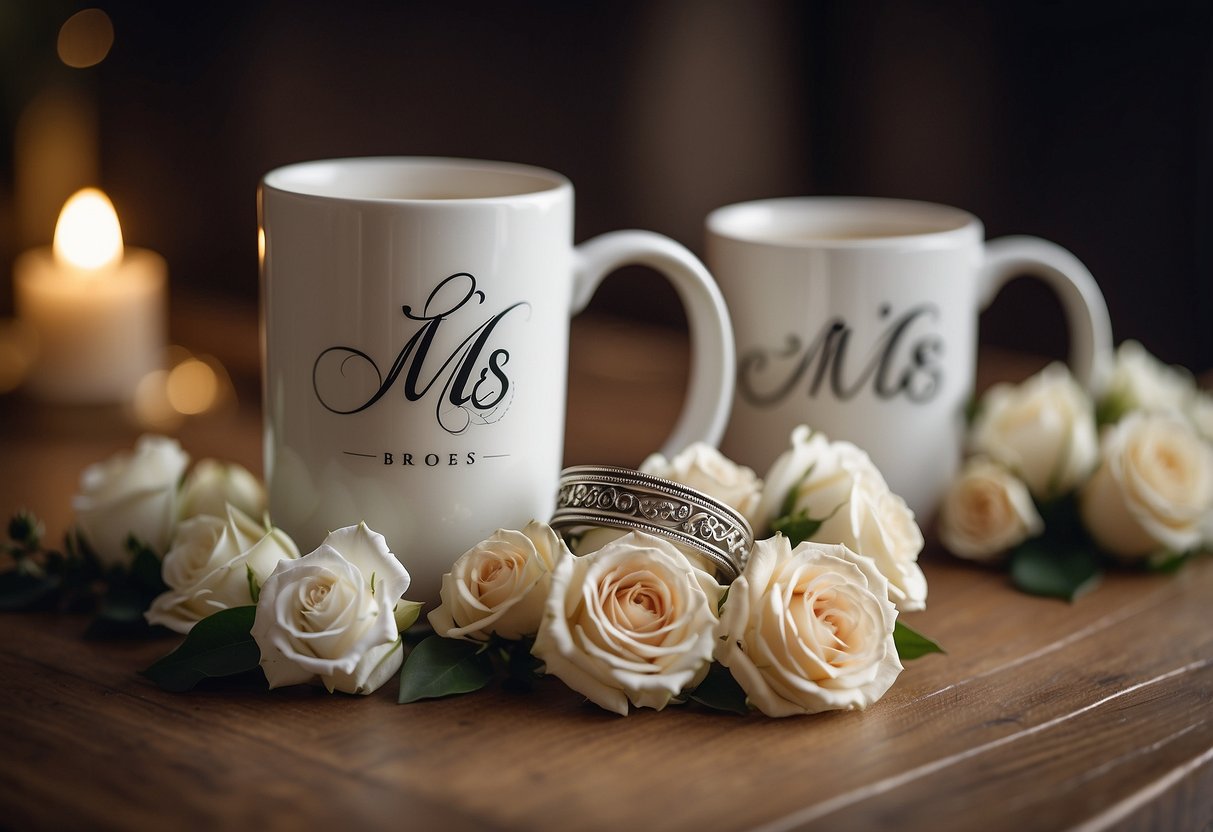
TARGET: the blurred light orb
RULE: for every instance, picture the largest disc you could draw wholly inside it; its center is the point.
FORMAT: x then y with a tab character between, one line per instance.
192	387
85	38
151	404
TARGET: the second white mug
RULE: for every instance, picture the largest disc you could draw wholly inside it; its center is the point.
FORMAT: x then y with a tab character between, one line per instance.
859	317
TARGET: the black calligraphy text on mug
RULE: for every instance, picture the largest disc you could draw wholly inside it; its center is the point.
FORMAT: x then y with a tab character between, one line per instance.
903	361
482	401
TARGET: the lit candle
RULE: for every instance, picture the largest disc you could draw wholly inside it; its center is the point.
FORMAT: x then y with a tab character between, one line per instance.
96	309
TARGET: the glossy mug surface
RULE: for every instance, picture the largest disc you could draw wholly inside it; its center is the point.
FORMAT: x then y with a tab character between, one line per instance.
859	317
416	317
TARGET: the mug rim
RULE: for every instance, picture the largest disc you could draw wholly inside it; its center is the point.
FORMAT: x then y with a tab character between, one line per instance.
750	222
312	180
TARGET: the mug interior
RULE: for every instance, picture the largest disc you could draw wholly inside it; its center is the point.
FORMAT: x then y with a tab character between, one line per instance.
405	179
840	221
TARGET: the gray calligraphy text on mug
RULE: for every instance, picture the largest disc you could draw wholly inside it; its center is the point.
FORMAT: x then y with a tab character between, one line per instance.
858	317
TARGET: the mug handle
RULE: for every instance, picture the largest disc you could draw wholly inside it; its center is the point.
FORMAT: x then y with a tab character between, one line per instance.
1086	312
710	388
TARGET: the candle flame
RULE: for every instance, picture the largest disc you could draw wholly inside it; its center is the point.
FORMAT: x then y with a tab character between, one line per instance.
87	235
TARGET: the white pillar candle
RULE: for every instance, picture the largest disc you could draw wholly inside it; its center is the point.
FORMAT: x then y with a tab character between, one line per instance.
98	311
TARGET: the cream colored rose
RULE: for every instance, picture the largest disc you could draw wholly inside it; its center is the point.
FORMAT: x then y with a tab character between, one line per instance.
1140	381
836	484
215	563
809	629
1043	430
986	512
704	468
591	540
131	493
1154	488
330	615
631	622
213	485
499	586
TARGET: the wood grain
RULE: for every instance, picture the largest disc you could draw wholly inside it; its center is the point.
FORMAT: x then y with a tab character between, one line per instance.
1043	715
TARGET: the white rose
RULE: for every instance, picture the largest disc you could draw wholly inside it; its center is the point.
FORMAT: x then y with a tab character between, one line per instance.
1042	429
329	615
1140	381
632	621
704	468
986	512
1154	488
213	565
212	485
131	493
499	586
809	629
837	484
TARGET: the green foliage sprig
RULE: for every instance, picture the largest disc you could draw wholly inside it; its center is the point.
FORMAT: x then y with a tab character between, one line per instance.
72	579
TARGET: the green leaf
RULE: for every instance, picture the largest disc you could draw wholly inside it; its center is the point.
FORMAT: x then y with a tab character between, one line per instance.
443	666
407	613
1112	408
789	500
912	644
720	691
522	668
76	547
254	588
219	645
797	528
129	592
1055	570
145	569
1167	562
26	530
972	410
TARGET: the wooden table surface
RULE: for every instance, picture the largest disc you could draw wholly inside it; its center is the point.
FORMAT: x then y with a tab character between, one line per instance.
1043	715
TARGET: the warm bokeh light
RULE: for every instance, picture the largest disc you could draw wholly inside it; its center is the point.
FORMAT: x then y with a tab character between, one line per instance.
87	235
192	387
85	38
260	246
151	404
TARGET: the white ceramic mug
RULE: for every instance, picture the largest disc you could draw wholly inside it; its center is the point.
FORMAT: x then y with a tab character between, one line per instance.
859	317
416	319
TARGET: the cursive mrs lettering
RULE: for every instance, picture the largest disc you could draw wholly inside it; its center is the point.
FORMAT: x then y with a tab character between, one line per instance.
475	388
903	361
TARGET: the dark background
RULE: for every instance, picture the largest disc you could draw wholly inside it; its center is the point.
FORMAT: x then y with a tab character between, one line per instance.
1085	123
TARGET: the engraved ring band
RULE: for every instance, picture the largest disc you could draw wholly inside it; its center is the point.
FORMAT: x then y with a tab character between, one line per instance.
593	495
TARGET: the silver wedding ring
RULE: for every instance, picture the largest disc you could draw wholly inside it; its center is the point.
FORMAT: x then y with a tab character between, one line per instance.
593	495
